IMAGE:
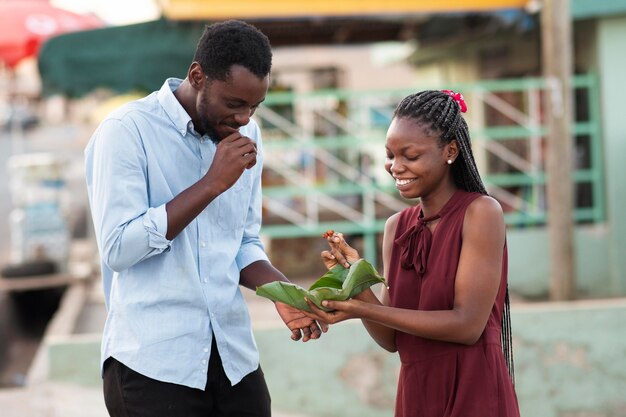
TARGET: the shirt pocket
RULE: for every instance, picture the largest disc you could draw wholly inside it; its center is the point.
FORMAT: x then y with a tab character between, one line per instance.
233	204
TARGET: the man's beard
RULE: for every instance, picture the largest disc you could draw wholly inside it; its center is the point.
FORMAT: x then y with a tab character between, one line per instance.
206	125
210	131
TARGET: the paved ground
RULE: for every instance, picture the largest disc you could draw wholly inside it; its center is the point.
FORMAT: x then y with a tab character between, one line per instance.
52	400
48	398
60	400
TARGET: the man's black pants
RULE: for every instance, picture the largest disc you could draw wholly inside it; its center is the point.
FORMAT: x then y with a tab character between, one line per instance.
130	394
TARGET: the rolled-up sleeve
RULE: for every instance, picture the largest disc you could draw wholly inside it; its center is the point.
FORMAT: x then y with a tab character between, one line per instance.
251	251
155	223
127	229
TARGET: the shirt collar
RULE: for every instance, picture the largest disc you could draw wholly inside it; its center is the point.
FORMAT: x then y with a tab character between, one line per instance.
173	108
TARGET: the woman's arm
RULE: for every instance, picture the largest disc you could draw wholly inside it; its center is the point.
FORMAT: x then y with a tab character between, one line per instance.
342	253
383	335
477	282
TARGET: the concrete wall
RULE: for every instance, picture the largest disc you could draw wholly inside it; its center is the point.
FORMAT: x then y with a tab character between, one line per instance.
570	361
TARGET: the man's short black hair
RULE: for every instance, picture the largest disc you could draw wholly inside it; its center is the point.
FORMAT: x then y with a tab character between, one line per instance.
233	42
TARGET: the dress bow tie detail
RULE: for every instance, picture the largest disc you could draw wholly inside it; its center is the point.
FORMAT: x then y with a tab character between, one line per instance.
415	245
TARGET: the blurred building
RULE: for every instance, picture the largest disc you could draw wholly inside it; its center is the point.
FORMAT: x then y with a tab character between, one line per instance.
338	75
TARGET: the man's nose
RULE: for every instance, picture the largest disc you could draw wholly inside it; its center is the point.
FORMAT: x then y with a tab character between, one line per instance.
243	118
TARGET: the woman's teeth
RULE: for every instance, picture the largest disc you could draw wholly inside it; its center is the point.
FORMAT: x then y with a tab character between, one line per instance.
401	182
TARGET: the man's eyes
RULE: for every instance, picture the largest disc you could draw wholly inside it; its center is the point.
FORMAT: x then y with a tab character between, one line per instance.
240	105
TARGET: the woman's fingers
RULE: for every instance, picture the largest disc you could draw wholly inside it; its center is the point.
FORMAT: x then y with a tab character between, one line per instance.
328	259
341	259
344	253
323	317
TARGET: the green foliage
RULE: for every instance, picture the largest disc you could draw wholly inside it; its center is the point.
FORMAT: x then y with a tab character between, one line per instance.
339	284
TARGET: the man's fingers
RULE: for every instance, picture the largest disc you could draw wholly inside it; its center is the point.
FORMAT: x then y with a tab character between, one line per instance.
239	142
316	332
296	335
249	159
306	334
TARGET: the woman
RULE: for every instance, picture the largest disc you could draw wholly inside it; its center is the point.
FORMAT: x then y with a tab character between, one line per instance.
446	308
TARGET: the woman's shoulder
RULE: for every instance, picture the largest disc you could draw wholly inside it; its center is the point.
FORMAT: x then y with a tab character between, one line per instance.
392	221
485	204
485	210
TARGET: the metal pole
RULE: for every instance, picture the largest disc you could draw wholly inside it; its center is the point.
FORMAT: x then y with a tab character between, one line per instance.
557	65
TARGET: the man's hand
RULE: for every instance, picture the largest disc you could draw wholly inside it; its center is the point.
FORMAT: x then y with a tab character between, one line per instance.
235	153
300	325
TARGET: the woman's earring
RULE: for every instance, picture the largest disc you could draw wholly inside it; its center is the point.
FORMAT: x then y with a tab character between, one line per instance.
449	161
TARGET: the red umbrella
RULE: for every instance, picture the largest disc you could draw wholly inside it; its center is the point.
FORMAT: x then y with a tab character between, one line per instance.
26	24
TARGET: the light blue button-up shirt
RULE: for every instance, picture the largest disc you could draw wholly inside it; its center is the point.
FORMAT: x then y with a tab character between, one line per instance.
165	299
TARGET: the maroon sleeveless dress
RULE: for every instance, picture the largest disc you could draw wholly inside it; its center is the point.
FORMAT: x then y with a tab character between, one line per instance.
443	379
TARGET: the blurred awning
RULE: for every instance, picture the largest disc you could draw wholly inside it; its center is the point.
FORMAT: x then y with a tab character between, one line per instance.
122	58
246	9
139	57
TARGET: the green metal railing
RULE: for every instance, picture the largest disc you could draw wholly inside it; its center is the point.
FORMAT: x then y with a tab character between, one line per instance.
325	150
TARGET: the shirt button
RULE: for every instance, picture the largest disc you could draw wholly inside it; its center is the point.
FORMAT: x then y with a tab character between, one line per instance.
203	244
203	361
206	349
205	280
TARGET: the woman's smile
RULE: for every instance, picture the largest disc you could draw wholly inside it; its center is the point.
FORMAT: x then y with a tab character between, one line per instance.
401	182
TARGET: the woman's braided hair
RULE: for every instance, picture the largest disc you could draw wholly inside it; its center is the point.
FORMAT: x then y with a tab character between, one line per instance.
439	113
437	110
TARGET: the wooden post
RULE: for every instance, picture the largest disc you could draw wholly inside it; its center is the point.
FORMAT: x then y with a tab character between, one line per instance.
556	35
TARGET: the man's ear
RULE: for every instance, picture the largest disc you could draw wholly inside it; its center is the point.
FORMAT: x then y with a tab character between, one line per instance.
196	76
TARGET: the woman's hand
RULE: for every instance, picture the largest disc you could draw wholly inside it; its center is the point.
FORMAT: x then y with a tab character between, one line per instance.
340	252
340	311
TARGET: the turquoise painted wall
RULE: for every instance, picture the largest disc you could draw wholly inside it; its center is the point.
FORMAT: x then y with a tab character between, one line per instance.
570	358
612	62
570	361
584	9
529	262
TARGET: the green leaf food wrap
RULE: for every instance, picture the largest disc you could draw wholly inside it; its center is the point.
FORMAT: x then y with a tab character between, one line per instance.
339	284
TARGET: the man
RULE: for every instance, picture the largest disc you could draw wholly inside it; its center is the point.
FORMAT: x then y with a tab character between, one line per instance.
174	183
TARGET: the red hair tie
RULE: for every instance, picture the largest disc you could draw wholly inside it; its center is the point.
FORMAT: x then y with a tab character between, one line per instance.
458	97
